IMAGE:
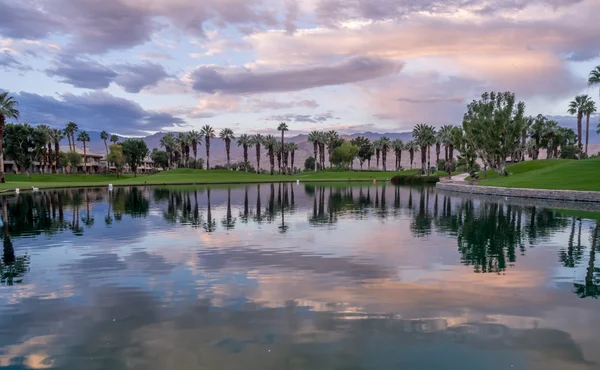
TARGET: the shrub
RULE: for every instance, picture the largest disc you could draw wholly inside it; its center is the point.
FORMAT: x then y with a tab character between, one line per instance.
569	152
414	179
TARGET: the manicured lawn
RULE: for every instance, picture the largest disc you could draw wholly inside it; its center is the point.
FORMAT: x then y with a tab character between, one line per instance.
567	175
188	176
526	166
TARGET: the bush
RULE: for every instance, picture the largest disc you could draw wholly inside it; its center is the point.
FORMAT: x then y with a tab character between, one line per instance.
414	179
442	165
309	164
569	152
196	163
244	167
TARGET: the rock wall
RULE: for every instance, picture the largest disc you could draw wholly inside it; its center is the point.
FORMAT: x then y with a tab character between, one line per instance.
562	195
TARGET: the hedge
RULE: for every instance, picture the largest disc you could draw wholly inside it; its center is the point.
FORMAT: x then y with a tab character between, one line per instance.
414	179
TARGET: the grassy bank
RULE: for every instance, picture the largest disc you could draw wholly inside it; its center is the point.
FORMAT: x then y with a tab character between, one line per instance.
551	174
187	176
523	167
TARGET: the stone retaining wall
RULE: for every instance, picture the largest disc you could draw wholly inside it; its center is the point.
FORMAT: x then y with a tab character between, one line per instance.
564	195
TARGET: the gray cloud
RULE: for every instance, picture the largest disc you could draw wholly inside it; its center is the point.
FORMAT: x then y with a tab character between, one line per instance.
458	100
88	74
93	111
210	79
302	117
23	19
9	62
259	105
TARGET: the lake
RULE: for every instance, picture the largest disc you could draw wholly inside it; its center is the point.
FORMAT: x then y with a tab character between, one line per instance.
286	276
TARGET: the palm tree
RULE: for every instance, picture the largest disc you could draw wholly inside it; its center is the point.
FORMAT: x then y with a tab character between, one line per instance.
313	137
550	130
183	146
577	107
385	148
588	110
439	140
114	139
246	142
104	137
208	132
322	142
536	132
195	139
398	147
412	147
377	146
291	148
8	109
257	141
278	154
425	137
270	143
57	136
70	131
445	135
594	78
226	135
44	131
84	137
168	142
331	137
283	127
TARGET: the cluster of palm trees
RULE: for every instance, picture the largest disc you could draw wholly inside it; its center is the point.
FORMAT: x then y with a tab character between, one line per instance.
178	147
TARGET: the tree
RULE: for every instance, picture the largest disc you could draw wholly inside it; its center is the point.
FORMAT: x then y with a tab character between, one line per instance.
227	135
398	147
365	149
114	139
84	137
536	132
283	127
116	157
183	145
104	137
208	132
23	144
270	143
377	147
314	137
291	148
160	158
594	78
425	137
245	142
134	151
44	133
588	109
57	136
577	107
386	144
412	147
70	131
493	126
70	159
195	140
345	154
168	142
8	110
550	130
257	141
310	163
331	138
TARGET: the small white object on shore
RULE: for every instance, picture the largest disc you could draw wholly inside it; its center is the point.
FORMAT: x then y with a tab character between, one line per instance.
110	187
297	182
17	190
34	189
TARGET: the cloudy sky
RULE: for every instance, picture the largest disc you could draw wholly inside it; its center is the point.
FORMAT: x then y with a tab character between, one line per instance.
140	66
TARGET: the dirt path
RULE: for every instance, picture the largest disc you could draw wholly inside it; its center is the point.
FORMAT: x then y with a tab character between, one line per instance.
456	178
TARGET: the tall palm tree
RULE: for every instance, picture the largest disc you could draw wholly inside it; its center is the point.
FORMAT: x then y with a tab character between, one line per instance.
104	137
182	145
245	142
439	140
195	140
57	136
257	141
270	143
398	147
168	142
594	78
226	135
313	137
208	132
445	135
322	140
550	130
114	139
291	148
536	132
8	109
386	144
44	131
577	107
283	127
84	137
70	131
588	110
377	146
331	138
425	137
278	154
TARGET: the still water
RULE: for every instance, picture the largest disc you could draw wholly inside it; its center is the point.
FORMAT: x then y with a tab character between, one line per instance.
294	277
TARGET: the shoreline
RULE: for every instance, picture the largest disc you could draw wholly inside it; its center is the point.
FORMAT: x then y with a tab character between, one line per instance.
527	193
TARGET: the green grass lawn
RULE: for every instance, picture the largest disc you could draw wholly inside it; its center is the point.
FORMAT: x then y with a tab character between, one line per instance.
526	166
188	176
560	174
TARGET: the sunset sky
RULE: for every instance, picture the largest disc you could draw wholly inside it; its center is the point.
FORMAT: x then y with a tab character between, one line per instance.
139	66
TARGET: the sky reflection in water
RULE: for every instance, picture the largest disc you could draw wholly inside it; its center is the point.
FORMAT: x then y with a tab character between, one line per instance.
280	276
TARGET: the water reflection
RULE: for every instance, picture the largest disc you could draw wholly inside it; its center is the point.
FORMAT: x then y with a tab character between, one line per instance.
285	276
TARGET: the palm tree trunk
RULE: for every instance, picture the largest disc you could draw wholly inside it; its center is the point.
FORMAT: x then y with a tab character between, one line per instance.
227	149
587	133
282	148
257	158
428	160
315	147
579	132
2	122
207	153
85	168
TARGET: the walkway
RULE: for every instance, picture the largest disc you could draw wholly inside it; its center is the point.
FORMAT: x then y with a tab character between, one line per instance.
460	179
